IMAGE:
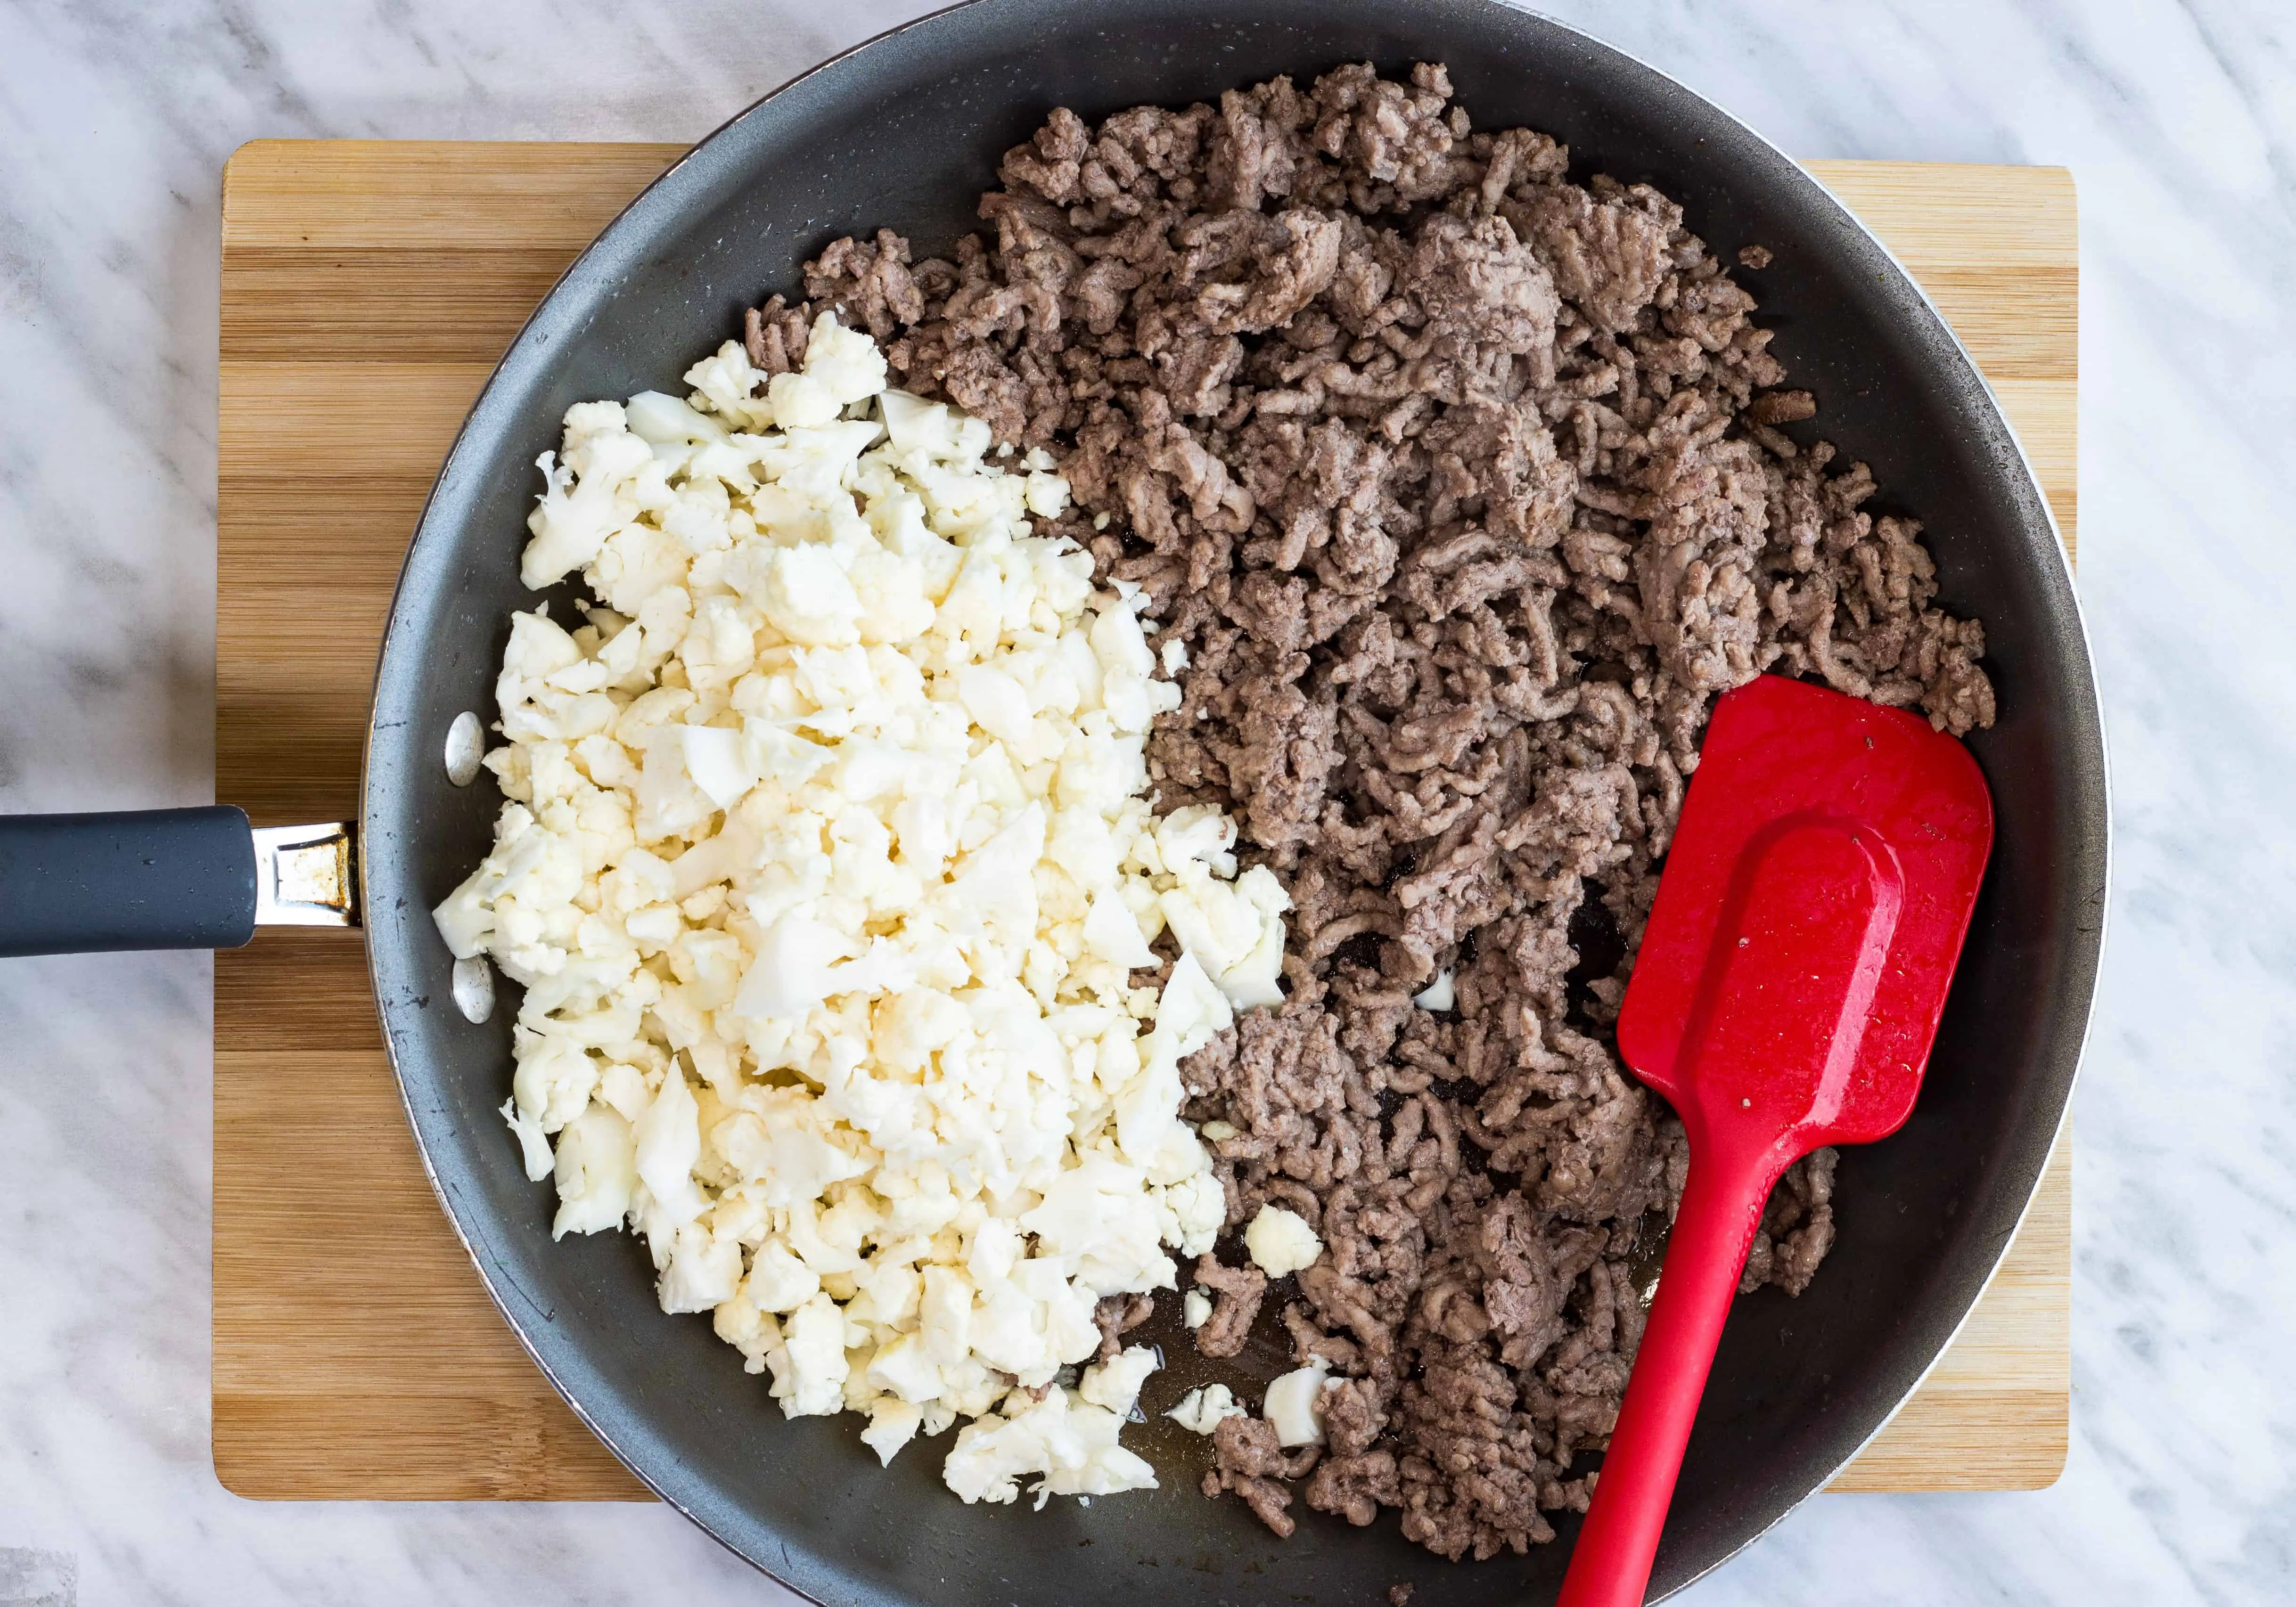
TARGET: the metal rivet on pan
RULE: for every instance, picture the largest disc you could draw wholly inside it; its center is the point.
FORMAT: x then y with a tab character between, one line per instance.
474	988
466	745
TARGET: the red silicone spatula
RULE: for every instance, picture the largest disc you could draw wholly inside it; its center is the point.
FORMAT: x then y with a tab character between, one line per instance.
1812	907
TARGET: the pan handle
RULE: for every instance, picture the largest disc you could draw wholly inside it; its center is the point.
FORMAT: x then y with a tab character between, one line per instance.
166	878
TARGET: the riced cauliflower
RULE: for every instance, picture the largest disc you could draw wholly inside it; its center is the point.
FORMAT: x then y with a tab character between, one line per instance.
827	861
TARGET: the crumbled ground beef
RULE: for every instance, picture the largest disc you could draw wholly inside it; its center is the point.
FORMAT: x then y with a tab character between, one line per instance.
1247	1460
1466	488
1237	1292
1118	1315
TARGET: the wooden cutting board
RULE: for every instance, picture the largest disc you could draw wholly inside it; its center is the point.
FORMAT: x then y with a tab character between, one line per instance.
368	289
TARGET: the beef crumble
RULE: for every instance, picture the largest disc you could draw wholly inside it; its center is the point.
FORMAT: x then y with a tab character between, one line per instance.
1465	488
1117	1315
1237	1292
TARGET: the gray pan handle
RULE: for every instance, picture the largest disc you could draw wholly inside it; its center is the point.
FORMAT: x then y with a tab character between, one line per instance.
166	878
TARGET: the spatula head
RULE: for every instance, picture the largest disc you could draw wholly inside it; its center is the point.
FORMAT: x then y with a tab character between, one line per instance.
1811	910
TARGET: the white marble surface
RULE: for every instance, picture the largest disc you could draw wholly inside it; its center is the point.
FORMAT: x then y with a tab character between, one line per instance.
2180	123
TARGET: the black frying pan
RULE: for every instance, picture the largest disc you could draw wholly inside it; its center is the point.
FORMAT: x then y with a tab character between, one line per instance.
905	131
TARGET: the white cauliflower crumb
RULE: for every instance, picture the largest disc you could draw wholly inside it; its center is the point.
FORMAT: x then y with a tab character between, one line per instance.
1203	1410
1439	995
1281	1241
826	861
1294	1404
1115	1383
1067	1445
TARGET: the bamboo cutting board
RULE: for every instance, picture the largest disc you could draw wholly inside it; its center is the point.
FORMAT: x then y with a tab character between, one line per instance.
368	289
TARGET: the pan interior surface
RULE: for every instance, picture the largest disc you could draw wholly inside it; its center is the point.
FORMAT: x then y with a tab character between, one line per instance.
905	132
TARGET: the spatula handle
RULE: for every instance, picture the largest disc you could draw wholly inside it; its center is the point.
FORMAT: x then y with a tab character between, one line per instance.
1721	1206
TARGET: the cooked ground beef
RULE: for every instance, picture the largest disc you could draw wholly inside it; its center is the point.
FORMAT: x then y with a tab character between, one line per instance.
1466	488
1237	1292
1119	1313
1246	1459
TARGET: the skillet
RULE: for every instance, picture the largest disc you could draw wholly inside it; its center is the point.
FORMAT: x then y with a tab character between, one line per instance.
904	131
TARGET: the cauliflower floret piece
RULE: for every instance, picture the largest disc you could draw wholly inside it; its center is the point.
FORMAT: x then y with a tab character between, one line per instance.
1115	1383
1071	1447
1203	1410
1198	1209
703	1272
778	1281
597	1172
1281	1241
809	1369
1294	1406
893	1423
725	380
554	1080
668	1142
587	497
533	1142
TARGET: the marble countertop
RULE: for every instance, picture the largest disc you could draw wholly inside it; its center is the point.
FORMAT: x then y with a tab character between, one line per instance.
2179	123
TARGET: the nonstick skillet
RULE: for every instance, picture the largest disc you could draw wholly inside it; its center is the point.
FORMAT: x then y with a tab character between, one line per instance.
905	132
